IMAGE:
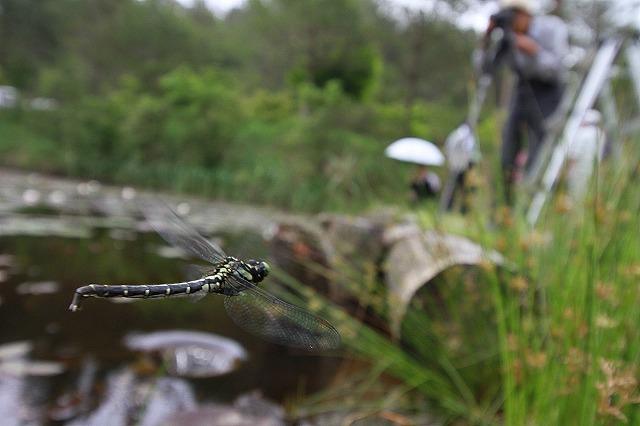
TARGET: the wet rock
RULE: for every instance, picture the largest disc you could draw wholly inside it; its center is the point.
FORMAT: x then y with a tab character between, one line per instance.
38	288
129	400
168	397
114	409
250	409
11	390
16	386
15	350
191	353
15	362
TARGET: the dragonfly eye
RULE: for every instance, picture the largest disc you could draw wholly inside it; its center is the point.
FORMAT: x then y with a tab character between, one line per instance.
264	269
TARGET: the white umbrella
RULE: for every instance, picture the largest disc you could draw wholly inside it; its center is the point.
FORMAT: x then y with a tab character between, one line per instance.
415	150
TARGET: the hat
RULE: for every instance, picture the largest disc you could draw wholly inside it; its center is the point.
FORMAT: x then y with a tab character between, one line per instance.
527	6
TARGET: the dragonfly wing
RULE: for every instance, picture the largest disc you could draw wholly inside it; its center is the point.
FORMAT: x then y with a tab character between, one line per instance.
277	321
178	233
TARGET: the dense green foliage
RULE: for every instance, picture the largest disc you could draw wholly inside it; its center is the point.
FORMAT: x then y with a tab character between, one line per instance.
282	102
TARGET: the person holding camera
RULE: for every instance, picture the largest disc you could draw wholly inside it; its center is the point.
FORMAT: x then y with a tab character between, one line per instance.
534	47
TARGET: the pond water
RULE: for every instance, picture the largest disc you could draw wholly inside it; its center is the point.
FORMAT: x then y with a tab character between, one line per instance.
38	276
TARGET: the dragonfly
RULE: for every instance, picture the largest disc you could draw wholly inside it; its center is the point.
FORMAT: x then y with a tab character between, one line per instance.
255	310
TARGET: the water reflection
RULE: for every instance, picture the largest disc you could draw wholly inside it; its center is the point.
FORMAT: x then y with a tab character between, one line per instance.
121	404
18	374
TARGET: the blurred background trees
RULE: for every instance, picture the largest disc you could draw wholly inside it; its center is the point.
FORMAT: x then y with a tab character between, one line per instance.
158	94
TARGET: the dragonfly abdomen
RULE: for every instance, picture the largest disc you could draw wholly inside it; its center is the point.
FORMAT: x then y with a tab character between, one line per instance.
134	291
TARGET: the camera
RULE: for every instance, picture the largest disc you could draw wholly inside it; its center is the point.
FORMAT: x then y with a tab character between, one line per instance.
499	43
503	19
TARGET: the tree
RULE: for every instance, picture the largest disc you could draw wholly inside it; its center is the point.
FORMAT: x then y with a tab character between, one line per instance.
27	40
314	41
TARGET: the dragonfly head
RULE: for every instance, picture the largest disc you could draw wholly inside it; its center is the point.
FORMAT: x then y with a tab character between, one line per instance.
257	269
263	270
